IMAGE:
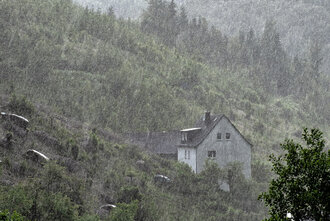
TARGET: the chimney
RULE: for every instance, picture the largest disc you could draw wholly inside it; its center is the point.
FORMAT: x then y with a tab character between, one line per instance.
207	118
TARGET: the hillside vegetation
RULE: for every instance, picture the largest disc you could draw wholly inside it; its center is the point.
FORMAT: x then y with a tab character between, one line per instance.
98	69
88	169
78	65
298	22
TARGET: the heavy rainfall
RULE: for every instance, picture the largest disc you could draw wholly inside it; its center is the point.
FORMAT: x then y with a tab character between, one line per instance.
159	110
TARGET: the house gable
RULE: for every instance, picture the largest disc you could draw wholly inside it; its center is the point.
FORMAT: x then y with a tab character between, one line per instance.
229	147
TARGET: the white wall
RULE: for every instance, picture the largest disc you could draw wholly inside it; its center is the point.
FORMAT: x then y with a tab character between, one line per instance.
192	159
236	149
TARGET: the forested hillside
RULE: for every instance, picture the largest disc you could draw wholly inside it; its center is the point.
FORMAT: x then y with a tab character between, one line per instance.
158	74
299	23
97	69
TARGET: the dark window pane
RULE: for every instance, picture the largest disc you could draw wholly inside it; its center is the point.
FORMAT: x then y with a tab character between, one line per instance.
211	154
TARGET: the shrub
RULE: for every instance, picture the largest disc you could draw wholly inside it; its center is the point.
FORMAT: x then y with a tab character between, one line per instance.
7	216
74	148
57	207
21	105
22	168
16	198
124	211
128	194
88	217
7	163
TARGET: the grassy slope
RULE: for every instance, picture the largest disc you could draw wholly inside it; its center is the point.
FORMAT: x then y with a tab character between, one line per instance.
104	172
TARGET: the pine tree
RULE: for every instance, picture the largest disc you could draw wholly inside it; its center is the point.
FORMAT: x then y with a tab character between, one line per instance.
315	60
183	19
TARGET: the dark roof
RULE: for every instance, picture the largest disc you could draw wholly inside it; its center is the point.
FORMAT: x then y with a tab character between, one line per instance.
156	142
167	142
206	128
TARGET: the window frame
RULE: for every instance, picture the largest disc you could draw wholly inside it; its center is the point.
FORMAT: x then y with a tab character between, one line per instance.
228	136
187	154
219	136
211	154
184	137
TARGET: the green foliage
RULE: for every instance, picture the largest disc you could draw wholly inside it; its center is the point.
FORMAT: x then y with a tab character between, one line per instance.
97	69
89	218
260	171
124	211
17	199
6	216
184	180
56	206
127	194
302	183
20	105
74	148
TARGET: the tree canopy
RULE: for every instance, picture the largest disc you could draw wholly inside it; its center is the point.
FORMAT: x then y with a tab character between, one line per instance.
302	184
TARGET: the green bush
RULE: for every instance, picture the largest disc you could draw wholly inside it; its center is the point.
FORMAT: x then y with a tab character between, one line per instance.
57	206
21	105
16	198
7	216
88	217
124	211
128	194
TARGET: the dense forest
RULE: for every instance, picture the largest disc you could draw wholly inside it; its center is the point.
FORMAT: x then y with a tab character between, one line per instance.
158	74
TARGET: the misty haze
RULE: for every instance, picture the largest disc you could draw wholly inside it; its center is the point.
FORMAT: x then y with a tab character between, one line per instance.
152	110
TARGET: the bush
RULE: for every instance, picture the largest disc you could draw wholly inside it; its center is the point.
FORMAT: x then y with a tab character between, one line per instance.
74	148
7	163
57	207
16	198
7	216
88	217
124	212
21	105
22	168
128	194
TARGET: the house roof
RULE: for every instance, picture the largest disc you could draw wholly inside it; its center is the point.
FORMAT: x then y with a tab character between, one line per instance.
156	142
206	129
167	142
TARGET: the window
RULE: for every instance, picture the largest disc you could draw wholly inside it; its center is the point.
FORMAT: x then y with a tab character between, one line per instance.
211	154
227	136
187	154
219	136
184	137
